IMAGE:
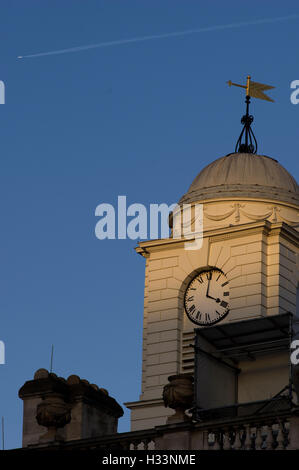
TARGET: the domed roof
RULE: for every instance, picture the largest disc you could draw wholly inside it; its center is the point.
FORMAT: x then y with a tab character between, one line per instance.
243	174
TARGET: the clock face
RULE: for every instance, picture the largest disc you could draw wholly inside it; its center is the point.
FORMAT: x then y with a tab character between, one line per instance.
207	298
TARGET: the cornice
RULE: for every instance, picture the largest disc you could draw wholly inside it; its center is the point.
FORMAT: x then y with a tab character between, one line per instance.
265	227
144	403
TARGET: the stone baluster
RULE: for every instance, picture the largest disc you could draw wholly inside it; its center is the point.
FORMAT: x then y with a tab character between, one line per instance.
217	442
280	437
248	442
135	445
269	439
205	440
151	445
211	440
141	445
258	438
287	434
226	440
238	443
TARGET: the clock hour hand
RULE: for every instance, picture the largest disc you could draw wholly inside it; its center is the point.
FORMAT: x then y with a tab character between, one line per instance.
217	300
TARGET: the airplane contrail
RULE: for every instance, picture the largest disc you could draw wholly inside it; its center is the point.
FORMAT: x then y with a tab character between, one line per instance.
159	36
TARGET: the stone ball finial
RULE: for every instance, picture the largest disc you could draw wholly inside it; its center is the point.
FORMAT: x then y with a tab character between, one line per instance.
85	381
41	374
95	387
73	379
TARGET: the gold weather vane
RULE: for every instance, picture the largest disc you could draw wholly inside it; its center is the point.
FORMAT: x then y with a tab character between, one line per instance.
254	90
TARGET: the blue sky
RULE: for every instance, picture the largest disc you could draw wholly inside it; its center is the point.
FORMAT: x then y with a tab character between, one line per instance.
79	129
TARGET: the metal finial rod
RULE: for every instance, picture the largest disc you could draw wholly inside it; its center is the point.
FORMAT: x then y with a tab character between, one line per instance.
247	115
249	145
51	362
2	432
248	85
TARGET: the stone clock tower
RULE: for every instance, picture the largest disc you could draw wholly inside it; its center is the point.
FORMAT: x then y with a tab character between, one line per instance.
251	238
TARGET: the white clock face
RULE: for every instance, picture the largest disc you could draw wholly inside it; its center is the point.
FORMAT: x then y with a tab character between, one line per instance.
207	298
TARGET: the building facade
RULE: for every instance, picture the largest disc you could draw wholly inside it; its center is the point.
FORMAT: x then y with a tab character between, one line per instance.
237	295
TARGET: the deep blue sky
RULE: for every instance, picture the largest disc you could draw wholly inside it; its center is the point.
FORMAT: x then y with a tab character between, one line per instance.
82	128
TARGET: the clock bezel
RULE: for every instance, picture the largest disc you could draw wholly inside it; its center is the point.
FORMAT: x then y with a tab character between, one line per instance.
198	323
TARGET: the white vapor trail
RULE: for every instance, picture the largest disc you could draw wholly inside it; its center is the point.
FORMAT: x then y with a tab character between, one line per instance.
160	36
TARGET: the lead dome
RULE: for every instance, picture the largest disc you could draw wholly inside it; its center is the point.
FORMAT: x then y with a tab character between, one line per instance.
243	175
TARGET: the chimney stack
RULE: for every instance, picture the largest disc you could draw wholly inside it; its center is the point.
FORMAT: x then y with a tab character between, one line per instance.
57	410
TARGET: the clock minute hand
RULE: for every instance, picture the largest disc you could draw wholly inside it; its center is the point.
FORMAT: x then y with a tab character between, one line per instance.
207	293
208	288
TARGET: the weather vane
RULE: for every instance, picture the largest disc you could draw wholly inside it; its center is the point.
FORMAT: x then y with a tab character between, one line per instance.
247	142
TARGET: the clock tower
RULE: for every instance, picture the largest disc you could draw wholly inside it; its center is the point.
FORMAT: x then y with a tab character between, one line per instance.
247	268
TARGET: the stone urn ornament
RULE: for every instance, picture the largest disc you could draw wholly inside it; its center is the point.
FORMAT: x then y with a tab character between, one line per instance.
53	413
178	394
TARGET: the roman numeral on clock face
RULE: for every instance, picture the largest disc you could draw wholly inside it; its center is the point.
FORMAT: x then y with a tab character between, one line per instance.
191	309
